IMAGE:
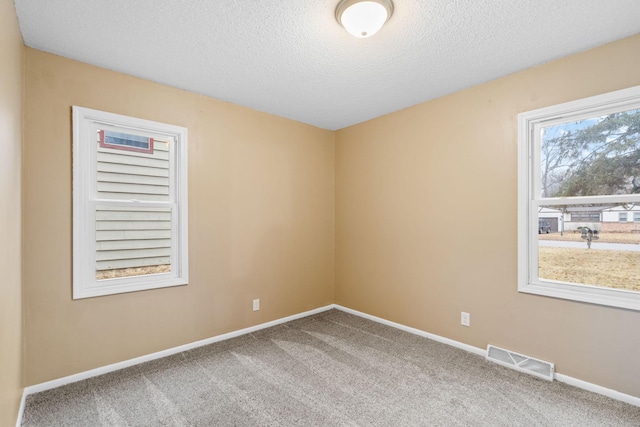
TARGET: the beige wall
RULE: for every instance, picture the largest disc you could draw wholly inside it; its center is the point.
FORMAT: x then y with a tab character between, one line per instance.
262	222
426	215
11	51
261	209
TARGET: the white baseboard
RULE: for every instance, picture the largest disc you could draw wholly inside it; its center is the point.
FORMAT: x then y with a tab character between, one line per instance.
471	349
21	410
627	398
164	353
153	356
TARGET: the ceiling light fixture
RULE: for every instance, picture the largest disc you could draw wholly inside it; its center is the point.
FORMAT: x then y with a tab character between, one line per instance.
363	18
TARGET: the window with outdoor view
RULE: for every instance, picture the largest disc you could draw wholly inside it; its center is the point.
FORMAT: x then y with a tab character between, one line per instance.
129	204
579	164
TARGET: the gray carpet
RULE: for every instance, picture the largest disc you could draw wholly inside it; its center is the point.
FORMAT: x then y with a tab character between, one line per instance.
330	369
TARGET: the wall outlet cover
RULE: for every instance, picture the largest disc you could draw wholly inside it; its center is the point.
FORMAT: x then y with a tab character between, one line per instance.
465	319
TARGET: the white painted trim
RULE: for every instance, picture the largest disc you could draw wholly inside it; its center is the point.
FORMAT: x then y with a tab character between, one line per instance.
21	410
164	353
443	340
86	123
626	398
529	197
632	400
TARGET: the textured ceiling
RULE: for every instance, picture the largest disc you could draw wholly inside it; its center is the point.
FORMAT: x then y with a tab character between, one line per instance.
292	59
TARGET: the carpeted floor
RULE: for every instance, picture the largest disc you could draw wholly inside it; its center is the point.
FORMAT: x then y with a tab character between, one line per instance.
330	369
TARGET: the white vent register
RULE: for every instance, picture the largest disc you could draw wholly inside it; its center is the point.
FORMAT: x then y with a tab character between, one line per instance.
520	362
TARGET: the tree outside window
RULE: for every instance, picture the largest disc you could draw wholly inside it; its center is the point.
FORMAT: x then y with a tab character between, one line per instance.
578	161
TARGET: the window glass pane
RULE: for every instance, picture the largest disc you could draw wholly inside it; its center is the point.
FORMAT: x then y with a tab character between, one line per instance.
132	175
130	204
589	247
593	156
132	241
125	141
579	177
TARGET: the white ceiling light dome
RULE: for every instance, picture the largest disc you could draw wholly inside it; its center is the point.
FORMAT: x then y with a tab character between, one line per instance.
363	18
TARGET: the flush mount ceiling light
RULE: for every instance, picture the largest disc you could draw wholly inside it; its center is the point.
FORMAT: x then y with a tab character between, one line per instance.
363	18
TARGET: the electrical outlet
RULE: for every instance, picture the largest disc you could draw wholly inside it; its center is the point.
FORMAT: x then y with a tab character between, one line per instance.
465	319
256	304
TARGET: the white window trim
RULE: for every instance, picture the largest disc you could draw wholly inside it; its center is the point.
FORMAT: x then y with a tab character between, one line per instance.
85	284
528	198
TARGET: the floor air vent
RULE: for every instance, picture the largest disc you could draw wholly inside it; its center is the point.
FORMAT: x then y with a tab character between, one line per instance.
521	363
